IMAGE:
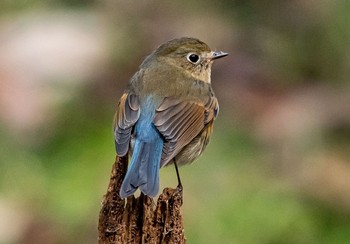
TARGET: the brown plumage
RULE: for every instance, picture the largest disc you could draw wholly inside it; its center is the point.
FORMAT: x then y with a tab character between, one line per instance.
166	114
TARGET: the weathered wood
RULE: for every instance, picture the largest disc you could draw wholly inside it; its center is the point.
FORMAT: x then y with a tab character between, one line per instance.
139	220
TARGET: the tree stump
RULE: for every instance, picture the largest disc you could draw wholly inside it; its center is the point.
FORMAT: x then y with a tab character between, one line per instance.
139	220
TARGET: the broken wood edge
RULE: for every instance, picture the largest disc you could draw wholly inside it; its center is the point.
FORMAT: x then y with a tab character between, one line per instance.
139	220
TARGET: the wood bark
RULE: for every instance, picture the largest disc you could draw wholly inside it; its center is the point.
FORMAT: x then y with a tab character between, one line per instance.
139	220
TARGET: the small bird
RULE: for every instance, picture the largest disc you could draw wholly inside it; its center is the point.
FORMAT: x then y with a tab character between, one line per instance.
166	114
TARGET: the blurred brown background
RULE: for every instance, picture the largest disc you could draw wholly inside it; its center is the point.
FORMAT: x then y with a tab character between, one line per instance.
277	169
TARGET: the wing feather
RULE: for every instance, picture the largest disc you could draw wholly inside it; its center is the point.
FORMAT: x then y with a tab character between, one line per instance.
127	114
181	121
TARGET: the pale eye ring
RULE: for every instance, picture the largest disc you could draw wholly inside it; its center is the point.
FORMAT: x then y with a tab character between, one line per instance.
193	58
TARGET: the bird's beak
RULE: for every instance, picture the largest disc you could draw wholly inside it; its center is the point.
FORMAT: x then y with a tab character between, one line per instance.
217	54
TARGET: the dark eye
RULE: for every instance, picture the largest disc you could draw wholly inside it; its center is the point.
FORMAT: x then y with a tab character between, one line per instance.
193	58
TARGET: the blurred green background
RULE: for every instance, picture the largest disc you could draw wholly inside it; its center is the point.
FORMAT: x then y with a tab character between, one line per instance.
277	169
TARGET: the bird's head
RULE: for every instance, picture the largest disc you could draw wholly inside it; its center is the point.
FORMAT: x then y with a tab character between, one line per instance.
190	54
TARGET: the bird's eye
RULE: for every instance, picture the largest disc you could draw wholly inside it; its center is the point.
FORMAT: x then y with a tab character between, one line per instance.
193	58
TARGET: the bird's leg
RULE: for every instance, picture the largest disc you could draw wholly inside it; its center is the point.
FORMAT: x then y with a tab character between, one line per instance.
179	185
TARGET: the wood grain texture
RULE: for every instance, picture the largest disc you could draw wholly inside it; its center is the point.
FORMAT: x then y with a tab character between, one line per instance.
139	220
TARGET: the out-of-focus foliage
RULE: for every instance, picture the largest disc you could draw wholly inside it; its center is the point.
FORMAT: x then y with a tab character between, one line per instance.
277	169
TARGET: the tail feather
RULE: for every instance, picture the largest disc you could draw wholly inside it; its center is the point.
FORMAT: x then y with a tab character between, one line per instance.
143	171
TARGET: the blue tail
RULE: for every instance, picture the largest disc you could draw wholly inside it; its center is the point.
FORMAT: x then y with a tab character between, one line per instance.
143	171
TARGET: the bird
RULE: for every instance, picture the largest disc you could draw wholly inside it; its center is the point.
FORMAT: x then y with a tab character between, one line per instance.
165	115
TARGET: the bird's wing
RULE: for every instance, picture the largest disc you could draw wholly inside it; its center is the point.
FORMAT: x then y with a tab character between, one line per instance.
127	114
181	121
